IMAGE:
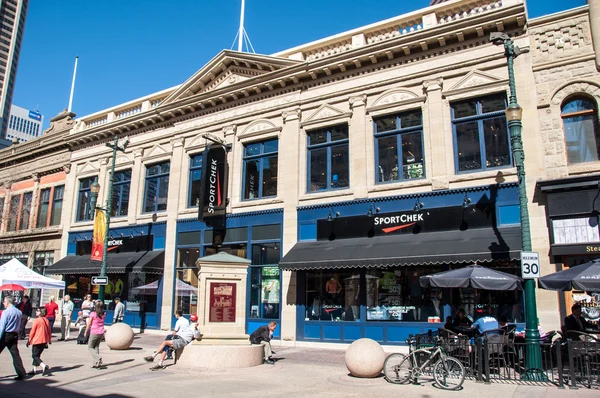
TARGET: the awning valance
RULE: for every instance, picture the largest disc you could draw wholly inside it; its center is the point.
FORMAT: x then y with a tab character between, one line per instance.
448	247
117	263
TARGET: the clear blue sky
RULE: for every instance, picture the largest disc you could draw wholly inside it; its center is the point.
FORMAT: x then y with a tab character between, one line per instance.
128	49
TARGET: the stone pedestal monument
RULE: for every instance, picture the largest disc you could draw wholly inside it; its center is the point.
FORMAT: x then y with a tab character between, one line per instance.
222	316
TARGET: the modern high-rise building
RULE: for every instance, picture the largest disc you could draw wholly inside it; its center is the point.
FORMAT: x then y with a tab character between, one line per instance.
23	124
12	25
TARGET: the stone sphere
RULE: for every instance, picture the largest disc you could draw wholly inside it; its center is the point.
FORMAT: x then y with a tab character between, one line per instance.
119	336
365	358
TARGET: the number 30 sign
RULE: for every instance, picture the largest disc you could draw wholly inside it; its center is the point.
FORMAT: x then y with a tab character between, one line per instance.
530	265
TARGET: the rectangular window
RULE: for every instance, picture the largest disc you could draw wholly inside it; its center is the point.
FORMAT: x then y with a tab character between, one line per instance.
260	170
120	195
399	147
43	207
25	210
157	187
13	213
481	140
195	180
328	165
57	204
83	199
333	296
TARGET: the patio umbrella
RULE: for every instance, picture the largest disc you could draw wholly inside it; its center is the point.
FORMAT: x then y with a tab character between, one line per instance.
12	286
474	276
581	277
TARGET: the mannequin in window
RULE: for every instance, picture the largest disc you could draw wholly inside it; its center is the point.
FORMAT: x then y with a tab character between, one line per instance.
416	295
333	287
436	296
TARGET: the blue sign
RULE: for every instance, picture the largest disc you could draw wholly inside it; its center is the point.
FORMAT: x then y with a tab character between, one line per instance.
34	115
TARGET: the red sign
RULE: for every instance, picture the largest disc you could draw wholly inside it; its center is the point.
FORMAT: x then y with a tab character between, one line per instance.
98	236
222	302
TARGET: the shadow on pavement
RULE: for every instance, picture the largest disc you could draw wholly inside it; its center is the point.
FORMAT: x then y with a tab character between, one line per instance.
118	362
42	388
58	369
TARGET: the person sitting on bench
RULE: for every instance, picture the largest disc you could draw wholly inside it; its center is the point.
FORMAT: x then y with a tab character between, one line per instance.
182	338
263	336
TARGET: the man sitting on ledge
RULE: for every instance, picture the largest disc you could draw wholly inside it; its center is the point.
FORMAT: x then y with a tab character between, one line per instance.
183	337
263	336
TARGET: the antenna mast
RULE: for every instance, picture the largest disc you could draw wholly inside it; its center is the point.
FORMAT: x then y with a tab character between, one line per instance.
73	85
242	35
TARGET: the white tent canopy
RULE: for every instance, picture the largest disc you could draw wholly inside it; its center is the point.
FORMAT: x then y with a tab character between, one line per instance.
15	272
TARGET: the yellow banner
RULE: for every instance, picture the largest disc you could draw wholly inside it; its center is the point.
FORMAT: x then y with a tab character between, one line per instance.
98	236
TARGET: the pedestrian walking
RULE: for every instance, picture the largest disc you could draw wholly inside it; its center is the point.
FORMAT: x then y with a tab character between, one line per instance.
119	313
27	310
10	321
65	319
39	338
95	327
51	311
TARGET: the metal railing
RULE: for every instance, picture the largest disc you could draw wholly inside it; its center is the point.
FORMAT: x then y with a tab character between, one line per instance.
565	363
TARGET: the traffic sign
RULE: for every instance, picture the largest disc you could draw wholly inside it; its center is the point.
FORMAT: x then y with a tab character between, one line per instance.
530	265
100	280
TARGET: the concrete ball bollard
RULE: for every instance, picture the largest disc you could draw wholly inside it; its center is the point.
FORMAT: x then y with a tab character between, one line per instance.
365	358
119	336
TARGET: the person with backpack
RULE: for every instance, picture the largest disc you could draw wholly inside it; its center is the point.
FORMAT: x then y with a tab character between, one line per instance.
95	327
39	338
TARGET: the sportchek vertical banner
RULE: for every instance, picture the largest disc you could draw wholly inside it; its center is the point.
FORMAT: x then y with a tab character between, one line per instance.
98	236
213	198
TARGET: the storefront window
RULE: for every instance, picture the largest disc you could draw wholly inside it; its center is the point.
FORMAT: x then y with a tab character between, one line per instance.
396	295
333	296
186	285
265	283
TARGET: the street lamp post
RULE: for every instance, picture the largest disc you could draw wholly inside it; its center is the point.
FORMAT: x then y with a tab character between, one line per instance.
533	360
95	188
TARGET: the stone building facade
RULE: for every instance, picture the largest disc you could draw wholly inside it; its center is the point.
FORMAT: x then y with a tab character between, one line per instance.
338	148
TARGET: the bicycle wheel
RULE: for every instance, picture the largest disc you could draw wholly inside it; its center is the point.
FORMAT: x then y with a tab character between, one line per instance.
450	376
396	368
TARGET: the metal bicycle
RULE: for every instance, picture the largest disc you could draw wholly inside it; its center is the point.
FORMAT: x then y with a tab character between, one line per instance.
448	372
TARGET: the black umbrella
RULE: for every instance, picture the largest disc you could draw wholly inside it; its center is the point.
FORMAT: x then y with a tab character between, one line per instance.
474	276
581	277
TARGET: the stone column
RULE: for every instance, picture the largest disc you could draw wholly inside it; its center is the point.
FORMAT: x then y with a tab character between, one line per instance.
594	6
137	187
175	181
69	202
288	187
434	123
358	146
34	202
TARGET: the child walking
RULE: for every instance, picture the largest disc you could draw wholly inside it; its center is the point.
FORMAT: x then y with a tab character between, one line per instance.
95	326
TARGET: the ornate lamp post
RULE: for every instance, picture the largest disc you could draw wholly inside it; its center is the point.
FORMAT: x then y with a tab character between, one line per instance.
94	189
533	360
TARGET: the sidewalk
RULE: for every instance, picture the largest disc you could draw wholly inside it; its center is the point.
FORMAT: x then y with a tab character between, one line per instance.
299	372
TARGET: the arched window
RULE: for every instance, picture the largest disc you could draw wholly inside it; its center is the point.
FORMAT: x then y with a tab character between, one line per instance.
581	130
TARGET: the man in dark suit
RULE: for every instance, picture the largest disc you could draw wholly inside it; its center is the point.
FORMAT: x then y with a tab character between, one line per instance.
575	321
263	336
27	310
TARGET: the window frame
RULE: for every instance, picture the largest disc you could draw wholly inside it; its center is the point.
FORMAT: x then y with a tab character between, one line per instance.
480	118
398	132
157	177
41	202
260	157
588	112
55	200
193	168
117	207
86	216
328	145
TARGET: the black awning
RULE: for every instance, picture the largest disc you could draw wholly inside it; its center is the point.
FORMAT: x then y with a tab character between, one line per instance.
448	247
117	263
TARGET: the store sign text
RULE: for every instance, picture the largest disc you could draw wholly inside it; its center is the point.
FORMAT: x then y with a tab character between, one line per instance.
404	218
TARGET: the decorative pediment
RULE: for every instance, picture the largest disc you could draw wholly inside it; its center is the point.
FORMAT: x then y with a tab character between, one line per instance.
228	68
156	151
86	168
475	78
122	159
394	97
258	127
325	113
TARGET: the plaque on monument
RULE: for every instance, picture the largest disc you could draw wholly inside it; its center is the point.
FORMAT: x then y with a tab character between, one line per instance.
222	302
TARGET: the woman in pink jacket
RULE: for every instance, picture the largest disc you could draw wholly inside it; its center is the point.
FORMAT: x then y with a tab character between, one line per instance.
39	338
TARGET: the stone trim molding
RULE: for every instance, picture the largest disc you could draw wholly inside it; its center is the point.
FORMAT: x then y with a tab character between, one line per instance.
326	115
574	87
258	128
394	97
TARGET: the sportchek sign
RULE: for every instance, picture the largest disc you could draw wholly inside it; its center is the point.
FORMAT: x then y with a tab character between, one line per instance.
213	198
452	218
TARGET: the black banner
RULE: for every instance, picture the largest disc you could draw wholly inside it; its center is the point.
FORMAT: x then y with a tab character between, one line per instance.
213	195
455	218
